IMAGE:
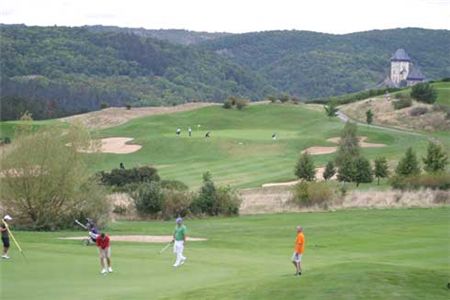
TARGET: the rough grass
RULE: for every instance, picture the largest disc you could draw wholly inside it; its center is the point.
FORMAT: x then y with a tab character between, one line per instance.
357	254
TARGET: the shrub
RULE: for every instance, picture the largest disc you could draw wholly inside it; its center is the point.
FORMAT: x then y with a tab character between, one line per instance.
227	104
329	171
369	116
408	165
227	201
436	159
7	140
103	105
418	111
128	106
436	181
424	92
148	198
312	194
176	203
241	103
122	177
402	103
174	185
330	109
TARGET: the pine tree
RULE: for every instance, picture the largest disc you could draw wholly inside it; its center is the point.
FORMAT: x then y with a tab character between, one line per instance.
369	116
363	171
329	171
305	167
381	168
436	158
346	170
408	165
348	144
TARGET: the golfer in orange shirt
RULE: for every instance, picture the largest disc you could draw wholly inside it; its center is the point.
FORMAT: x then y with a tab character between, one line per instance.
298	251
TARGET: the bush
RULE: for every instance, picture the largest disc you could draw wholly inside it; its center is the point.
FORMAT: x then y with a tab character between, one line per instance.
6	140
424	92
227	201
418	111
227	104
436	181
443	108
402	103
122	177
128	106
176	203
174	185
312	194
241	103
103	105
148	199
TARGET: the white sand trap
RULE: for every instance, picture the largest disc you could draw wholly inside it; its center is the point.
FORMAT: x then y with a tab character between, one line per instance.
316	150
116	145
137	238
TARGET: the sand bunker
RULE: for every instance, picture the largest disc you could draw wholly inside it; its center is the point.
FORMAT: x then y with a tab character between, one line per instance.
116	145
317	150
137	238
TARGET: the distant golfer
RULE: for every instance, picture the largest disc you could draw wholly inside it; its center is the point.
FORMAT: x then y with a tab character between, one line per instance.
104	250
298	251
274	136
207	134
178	131
121	166
5	236
190	131
179	237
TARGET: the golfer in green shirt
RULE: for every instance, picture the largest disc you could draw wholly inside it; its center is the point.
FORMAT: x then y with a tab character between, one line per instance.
179	237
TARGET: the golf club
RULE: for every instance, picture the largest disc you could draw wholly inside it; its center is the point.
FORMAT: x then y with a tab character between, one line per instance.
14	240
165	247
81	224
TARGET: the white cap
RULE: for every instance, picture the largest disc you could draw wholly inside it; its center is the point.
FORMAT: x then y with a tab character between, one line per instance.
7	218
179	220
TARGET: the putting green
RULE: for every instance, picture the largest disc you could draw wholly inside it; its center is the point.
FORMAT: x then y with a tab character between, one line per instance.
370	254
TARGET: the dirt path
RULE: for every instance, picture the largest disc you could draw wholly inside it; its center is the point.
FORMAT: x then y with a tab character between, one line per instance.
115	116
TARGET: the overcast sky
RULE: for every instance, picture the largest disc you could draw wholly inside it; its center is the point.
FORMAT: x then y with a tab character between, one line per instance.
332	16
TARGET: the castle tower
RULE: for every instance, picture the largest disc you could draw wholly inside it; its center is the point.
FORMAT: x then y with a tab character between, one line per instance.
400	67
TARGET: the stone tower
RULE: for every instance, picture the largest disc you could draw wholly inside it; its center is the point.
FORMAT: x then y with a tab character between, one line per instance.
400	67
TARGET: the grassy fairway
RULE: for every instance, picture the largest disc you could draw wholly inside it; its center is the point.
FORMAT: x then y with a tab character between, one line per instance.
359	254
240	151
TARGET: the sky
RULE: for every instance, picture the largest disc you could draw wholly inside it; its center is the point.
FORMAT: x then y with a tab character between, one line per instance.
235	16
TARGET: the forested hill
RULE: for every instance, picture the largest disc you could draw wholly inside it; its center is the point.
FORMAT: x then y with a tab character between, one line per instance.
176	36
311	64
52	71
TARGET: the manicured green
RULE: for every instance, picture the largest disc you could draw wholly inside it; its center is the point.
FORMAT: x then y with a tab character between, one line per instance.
240	151
356	254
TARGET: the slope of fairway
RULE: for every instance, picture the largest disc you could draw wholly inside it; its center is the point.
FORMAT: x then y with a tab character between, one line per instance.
240	151
359	254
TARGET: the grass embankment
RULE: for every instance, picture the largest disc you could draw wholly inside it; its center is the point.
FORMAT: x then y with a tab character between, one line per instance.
358	254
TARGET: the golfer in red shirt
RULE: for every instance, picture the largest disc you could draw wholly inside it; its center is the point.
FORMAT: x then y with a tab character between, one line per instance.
104	251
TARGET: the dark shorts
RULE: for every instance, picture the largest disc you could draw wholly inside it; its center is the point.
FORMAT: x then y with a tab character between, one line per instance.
5	241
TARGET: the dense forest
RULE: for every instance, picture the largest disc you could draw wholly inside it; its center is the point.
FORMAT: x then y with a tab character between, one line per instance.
76	69
56	71
310	64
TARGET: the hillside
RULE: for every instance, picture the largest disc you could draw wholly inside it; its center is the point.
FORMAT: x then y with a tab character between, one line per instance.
311	64
53	71
176	36
418	117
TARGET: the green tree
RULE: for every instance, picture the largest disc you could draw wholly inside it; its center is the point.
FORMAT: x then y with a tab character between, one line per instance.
330	109
363	171
381	168
206	198
424	92
408	165
148	198
436	159
346	170
329	171
46	182
348	144
305	167
369	116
